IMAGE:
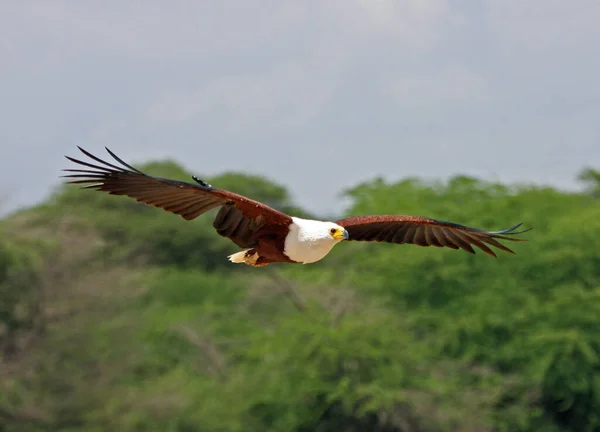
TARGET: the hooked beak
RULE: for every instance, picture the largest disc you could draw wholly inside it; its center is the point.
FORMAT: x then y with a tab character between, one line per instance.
341	235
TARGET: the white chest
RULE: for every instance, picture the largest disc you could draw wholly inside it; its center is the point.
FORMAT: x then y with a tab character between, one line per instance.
308	241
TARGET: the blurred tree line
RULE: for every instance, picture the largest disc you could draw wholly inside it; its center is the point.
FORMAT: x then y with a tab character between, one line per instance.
117	316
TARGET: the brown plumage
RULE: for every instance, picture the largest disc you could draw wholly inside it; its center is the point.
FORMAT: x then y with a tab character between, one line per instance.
426	232
240	219
268	234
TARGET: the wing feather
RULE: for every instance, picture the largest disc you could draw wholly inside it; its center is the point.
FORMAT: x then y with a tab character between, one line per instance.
441	237
420	237
427	232
409	234
185	199
475	241
458	241
430	238
400	233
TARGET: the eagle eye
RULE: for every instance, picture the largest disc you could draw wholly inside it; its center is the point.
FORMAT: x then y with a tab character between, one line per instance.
332	230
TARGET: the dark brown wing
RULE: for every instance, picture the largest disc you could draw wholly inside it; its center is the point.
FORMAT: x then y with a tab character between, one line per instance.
239	218
426	232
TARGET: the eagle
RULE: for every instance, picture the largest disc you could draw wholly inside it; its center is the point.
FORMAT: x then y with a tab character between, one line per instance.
267	235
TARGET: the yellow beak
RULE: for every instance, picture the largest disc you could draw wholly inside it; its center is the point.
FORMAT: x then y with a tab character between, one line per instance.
341	235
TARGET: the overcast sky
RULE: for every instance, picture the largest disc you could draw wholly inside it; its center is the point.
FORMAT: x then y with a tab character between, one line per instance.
317	95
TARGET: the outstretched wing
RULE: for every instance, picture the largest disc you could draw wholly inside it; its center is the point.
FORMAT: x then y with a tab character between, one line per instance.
426	232
239	218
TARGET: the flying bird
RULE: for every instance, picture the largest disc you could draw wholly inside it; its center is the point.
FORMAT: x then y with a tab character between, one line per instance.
267	235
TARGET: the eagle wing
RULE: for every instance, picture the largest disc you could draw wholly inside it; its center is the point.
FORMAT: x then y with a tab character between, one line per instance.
426	232
239	218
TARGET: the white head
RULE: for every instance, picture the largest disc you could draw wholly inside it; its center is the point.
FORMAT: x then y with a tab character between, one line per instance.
336	232
310	240
319	231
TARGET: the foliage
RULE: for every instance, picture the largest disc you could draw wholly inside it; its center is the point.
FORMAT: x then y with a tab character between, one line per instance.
591	179
19	291
143	324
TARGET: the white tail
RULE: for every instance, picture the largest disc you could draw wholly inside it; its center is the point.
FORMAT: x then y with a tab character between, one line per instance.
238	257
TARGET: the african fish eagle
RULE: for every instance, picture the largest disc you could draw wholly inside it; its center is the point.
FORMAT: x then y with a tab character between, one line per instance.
267	235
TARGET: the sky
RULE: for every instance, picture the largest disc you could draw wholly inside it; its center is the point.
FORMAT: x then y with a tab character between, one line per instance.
318	95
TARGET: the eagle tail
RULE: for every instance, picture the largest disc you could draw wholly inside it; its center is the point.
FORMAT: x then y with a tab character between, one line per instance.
246	256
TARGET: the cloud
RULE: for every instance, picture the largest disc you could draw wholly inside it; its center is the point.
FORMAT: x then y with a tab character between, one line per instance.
381	87
542	26
452	84
241	102
159	31
409	24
